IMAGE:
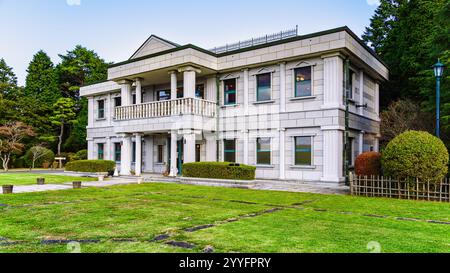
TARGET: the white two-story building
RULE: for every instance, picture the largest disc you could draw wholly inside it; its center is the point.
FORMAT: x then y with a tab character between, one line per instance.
275	102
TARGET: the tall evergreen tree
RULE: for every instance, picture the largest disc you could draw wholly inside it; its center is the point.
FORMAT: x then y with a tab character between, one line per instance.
42	81
8	80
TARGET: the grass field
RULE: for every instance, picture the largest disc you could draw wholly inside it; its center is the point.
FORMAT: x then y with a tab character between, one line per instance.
17	179
128	218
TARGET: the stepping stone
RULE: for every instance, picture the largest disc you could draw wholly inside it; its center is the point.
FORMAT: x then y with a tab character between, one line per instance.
406	219
124	240
3	205
243	202
374	216
185	245
198	228
272	210
160	238
438	222
208	249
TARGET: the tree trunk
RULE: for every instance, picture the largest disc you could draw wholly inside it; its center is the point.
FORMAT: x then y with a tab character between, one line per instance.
60	138
5	163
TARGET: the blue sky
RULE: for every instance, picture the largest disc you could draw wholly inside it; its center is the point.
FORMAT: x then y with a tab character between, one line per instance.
116	28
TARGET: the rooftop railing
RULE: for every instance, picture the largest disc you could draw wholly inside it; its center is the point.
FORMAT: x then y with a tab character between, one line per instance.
257	41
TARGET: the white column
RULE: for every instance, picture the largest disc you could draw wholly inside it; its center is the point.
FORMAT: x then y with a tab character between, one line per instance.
376	144
332	155
91	111
138	82
377	99
173	154
138	163
282	87
108	149
361	91
211	148
189	80
173	84
189	148
211	89
125	91
245	146
361	142
246	90
282	153
91	150
126	150
333	81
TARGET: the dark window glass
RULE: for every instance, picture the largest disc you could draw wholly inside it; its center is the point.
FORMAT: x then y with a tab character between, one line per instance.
264	87
100	151
350	87
303	151
230	92
197	153
349	151
229	150
133	155
303	87
117	101
163	95
101	109
263	151
117	152
200	91
134	98
160	154
180	92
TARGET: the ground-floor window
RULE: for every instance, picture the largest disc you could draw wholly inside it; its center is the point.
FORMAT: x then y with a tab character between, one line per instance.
117	152
100	151
229	150
160	158
133	155
303	151
263	151
197	153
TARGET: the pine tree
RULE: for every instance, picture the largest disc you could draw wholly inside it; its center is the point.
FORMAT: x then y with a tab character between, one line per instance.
42	82
8	80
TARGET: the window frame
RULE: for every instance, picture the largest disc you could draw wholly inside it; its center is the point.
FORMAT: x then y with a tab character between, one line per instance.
257	86
235	150
118	98
160	153
117	152
235	92
270	152
294	80
294	150
204	91
101	111
101	151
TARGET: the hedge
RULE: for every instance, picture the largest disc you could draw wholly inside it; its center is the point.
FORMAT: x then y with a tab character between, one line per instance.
91	166
415	154
368	164
219	170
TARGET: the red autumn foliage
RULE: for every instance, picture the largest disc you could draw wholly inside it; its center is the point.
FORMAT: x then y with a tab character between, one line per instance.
368	164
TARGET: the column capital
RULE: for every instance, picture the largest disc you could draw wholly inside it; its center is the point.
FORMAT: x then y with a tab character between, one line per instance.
189	68
138	79
171	72
125	81
138	134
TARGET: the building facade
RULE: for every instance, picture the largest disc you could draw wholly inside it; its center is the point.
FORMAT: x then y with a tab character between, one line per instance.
278	105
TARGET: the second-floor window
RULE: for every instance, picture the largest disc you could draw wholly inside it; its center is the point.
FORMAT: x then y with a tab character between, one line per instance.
263	87
351	84
117	101
101	109
230	92
163	95
100	151
303	82
200	91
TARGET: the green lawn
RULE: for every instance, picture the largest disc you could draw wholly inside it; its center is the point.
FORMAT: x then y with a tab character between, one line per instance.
244	221
17	179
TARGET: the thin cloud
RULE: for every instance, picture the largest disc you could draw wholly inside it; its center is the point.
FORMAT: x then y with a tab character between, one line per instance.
73	2
373	2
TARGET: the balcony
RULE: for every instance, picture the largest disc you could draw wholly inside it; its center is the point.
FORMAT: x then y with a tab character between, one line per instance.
167	108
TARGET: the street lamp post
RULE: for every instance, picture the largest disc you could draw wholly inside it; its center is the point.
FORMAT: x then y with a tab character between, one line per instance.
438	72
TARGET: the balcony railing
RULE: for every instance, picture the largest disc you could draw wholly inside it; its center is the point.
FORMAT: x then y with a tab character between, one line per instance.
183	106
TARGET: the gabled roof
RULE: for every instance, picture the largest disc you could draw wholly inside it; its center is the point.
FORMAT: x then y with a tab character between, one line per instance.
154	44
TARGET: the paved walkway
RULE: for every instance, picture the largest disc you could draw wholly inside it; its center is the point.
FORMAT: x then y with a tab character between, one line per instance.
273	185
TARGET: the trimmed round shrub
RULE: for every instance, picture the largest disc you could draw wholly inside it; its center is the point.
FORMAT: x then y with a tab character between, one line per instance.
368	164
415	154
49	157
91	166
80	155
219	170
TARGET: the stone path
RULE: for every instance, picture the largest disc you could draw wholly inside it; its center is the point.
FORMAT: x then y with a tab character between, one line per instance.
312	187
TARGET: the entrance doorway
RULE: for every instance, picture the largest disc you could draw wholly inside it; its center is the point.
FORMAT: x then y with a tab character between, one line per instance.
180	150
